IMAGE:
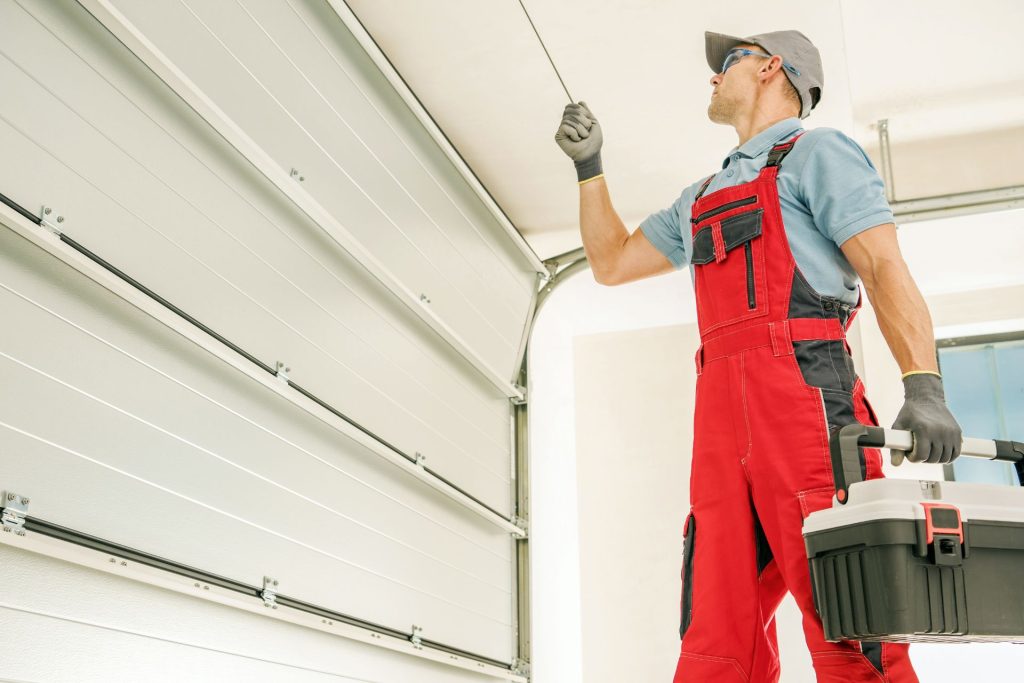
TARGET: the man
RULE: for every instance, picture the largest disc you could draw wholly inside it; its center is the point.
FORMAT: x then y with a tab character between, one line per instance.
776	242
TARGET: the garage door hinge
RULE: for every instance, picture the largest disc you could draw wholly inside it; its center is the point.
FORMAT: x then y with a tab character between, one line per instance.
269	592
15	509
282	372
515	399
521	667
415	638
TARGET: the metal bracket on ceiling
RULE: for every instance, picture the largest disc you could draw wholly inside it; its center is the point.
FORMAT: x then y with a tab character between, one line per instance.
516	401
886	152
15	510
415	638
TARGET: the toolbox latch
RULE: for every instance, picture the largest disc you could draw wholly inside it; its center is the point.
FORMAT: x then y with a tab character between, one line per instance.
944	533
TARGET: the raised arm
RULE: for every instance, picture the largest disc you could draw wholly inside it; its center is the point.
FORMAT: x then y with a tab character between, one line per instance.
615	256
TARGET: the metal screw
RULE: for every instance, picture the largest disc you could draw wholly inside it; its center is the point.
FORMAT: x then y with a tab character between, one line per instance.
206	588
423	297
10	496
60	219
197	585
24	501
47	210
113	561
275	582
124	564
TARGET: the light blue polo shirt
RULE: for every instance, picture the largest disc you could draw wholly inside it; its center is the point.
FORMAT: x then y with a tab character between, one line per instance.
829	191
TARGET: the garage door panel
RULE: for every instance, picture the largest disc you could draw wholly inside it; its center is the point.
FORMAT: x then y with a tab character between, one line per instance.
47	601
161	219
222	43
60	319
143	430
80	494
121	440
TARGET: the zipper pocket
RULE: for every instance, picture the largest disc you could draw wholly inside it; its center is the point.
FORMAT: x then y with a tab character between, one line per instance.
751	294
686	611
723	208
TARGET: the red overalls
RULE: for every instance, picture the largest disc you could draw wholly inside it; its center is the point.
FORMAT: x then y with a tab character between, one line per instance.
774	377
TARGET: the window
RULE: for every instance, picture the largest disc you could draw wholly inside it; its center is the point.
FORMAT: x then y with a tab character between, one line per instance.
984	383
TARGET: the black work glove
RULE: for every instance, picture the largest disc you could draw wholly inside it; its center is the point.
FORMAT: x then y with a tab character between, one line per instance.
579	136
937	435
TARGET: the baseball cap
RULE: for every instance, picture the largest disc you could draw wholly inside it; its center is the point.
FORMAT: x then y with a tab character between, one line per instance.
793	46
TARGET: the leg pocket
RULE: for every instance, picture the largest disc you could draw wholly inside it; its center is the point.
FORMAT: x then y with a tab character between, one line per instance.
686	603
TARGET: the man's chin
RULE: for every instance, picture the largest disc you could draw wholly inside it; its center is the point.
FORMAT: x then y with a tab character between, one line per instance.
717	115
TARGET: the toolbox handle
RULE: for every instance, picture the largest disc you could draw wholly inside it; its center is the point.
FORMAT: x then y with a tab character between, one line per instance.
845	443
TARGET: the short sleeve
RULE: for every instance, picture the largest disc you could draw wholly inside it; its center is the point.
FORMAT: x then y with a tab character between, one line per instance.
841	187
662	229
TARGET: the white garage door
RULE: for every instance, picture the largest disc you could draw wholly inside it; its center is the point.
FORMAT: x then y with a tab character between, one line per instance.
276	336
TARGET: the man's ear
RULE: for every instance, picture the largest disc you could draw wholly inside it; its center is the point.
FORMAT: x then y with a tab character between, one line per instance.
770	67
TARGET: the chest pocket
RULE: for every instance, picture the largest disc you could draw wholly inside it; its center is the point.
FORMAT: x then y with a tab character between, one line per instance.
728	256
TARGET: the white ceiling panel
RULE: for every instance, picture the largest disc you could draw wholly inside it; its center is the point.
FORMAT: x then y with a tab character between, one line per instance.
478	68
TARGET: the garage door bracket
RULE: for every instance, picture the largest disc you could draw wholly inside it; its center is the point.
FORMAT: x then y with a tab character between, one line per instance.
269	592
13	518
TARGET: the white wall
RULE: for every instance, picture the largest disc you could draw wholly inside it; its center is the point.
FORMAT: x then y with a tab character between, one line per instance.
609	367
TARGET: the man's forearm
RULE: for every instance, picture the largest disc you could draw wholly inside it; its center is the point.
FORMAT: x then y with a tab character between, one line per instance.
602	230
903	316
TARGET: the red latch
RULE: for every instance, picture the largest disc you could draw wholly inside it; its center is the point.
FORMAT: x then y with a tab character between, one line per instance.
940	518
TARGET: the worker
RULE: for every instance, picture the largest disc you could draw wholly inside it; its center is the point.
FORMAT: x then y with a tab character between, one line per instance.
776	242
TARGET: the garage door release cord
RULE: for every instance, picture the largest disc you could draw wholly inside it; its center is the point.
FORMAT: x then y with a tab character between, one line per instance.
546	51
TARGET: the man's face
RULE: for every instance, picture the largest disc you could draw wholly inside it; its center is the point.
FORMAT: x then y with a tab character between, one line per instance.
734	89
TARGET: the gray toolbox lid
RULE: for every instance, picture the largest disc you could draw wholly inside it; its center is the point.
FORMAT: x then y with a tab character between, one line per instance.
901	499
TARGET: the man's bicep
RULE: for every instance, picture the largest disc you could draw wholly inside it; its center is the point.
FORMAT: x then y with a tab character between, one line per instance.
871	247
640	259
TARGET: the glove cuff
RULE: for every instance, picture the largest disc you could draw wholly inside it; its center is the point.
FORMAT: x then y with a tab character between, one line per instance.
589	168
923	386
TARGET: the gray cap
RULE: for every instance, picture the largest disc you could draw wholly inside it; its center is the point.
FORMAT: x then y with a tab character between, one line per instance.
794	48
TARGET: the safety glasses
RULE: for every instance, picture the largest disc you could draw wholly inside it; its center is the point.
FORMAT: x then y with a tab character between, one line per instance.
739	53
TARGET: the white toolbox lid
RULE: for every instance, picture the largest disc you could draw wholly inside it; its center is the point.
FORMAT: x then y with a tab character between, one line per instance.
901	499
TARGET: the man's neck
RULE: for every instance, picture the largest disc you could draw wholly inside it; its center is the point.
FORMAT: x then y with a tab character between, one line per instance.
757	122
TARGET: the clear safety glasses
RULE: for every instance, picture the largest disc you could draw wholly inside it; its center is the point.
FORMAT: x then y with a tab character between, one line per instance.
740	52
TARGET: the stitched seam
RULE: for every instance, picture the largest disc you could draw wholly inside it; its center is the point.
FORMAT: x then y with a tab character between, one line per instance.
823	436
720	660
746	418
832	360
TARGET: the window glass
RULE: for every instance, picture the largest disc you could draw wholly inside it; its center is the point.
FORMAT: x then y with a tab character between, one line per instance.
984	384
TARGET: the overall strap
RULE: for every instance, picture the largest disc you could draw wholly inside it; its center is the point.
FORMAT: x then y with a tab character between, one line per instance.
780	151
704	187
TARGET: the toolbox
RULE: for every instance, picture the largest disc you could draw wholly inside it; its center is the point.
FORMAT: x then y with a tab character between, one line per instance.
910	561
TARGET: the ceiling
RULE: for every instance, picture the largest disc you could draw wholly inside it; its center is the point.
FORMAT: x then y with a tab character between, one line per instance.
935	69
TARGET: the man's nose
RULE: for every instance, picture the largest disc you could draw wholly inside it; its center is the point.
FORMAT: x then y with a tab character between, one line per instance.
716	79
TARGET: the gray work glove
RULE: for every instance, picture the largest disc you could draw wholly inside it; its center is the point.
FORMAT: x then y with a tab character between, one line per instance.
579	136
937	436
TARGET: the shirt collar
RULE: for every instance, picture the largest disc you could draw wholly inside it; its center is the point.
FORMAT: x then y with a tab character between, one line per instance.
765	140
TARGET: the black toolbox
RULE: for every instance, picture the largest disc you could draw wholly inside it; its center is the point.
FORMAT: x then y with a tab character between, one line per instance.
910	561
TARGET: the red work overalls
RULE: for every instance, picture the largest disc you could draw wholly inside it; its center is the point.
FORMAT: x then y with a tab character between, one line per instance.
774	377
